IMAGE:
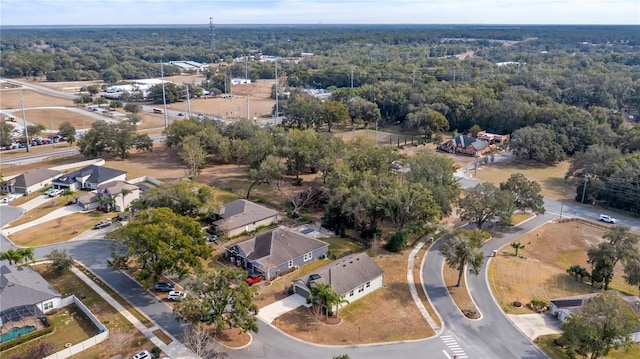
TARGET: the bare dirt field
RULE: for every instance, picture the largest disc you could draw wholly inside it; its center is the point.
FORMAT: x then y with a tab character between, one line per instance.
68	86
10	99
52	118
549	251
390	307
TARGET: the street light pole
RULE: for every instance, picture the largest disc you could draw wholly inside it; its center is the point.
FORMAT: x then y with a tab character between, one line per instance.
24	122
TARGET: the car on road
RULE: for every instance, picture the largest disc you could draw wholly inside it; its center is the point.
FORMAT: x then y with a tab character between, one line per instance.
253	279
213	238
607	219
176	295
8	199
181	114
143	355
102	224
165	287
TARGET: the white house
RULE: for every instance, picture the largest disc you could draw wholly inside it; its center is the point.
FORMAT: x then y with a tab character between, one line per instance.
353	276
25	295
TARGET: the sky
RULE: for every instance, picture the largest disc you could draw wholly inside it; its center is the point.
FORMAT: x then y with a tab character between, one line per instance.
148	12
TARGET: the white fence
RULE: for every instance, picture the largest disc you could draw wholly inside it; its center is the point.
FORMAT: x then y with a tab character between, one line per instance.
75	349
97	162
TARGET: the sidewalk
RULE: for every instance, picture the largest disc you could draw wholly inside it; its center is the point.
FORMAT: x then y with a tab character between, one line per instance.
58	213
175	350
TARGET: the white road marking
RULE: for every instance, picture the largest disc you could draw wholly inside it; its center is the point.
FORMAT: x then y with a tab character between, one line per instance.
453	346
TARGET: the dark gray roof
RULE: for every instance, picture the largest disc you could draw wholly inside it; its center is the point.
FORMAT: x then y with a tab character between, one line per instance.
242	212
23	286
464	141
347	273
279	246
94	174
29	178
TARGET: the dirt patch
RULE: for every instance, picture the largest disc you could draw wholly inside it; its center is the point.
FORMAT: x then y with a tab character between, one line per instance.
390	307
52	118
550	178
539	272
10	99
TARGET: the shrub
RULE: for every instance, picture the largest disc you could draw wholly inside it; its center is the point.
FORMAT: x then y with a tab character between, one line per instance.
397	242
539	305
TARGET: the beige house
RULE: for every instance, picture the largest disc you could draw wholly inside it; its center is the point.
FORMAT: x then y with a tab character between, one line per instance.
30	181
242	216
115	196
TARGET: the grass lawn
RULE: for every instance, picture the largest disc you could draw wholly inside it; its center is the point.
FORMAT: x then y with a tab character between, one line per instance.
460	295
70	324
390	307
541	274
40	211
550	177
58	230
71	327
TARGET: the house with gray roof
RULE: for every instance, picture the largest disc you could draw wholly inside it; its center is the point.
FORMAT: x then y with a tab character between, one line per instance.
353	276
25	294
562	308
467	145
30	181
241	216
89	177
276	252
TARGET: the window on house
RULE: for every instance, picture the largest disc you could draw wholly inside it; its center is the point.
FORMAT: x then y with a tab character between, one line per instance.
290	264
361	288
351	294
47	306
368	284
308	256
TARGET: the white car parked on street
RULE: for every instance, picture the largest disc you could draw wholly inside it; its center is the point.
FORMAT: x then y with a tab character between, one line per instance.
8	199
608	219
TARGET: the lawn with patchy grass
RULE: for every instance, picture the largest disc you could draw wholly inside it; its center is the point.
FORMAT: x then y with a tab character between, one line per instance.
40	211
550	177
58	230
460	295
390	307
539	272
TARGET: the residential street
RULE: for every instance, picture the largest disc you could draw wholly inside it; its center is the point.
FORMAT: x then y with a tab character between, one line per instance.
493	336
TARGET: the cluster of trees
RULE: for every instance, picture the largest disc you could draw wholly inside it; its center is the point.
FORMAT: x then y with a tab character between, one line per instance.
610	175
113	139
17	256
619	247
486	201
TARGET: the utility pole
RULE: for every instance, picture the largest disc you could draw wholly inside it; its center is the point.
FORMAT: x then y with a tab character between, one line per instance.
413	78
248	107
276	115
246	67
584	188
352	77
188	102
24	122
164	97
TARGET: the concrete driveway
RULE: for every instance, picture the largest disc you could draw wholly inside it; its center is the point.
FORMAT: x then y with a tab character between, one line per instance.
272	311
60	212
535	325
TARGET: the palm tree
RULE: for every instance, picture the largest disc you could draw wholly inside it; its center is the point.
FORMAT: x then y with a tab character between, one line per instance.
460	250
320	292
336	300
12	255
517	246
66	193
106	202
27	254
124	194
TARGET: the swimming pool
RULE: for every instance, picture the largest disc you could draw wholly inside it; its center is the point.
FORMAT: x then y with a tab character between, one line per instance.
16	332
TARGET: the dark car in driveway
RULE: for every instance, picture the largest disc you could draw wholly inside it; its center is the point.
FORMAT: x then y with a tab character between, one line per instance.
165	287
